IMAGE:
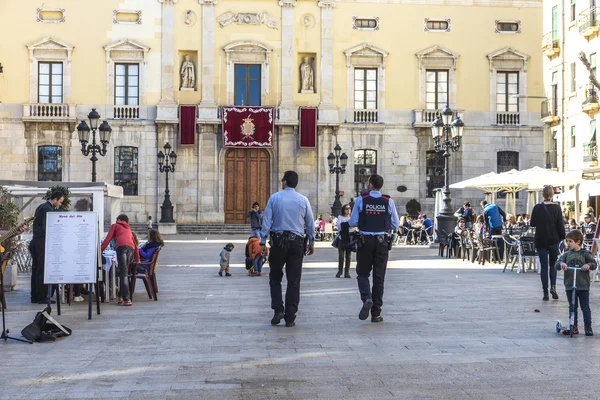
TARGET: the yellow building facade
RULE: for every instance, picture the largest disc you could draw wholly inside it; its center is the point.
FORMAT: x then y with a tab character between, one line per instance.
378	71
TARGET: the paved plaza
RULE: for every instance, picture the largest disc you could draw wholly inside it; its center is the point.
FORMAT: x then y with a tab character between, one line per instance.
452	330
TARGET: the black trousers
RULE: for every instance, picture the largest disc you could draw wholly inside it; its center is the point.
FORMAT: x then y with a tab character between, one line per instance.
39	291
124	258
290	256
344	255
373	256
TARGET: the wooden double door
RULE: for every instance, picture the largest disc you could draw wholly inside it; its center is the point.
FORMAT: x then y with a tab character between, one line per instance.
247	174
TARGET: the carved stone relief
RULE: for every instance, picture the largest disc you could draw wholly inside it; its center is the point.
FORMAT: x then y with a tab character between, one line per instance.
248	19
308	21
189	18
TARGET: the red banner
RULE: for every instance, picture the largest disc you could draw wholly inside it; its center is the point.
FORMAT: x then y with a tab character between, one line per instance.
245	126
308	127
187	124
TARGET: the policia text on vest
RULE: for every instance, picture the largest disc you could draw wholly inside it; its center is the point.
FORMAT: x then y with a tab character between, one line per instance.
376	216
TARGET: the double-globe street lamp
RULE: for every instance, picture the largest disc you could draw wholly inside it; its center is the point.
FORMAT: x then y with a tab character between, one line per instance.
447	132
166	164
337	165
83	130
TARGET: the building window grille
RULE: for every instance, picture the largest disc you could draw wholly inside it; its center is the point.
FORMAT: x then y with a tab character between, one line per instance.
365	165
126	169
435	171
506	161
50	163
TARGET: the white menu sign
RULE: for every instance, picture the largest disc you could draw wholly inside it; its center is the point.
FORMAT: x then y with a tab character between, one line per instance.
71	247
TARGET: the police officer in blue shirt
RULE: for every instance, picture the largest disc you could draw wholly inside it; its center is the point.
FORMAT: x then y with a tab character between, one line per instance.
376	216
288	219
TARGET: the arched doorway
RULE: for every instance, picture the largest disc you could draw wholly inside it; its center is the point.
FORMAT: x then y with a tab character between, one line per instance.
247	174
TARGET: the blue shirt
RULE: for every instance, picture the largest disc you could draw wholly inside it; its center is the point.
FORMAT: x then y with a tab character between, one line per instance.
288	211
394	220
427	223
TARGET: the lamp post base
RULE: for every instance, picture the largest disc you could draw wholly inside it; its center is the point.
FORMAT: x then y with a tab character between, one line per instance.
336	209
446	224
166	214
167	228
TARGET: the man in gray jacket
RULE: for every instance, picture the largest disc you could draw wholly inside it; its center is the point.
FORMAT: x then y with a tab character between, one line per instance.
255	216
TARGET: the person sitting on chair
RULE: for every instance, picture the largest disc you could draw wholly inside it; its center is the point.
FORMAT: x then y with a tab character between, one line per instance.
427	227
155	241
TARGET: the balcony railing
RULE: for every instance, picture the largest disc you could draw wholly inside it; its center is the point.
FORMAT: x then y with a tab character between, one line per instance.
549	45
126	112
48	111
424	118
550	111
589	22
365	116
551	159
508	118
590	153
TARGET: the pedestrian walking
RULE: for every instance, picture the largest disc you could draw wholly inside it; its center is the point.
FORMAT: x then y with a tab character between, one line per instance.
256	216
547	220
494	217
224	259
149	223
37	247
376	216
578	257
288	219
343	241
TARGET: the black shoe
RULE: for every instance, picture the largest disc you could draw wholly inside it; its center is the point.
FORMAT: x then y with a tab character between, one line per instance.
46	302
339	274
277	318
347	275
377	318
220	274
290	324
365	310
546	298
553	292
588	330
34	301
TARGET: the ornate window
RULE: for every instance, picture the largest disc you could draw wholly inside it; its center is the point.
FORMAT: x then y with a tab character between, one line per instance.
247	52
508	26
437	25
436	89
365	24
365	165
434	162
508	78
50	163
50	82
247	85
126	169
127	84
365	88
437	77
50	71
507	160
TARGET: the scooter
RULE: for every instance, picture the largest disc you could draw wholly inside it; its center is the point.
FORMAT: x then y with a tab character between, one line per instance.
559	326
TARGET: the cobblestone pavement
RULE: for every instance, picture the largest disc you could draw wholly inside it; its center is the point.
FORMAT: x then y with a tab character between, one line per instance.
452	330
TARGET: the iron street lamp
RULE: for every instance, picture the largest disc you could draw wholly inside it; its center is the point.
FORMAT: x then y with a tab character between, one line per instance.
337	165
83	130
447	133
166	164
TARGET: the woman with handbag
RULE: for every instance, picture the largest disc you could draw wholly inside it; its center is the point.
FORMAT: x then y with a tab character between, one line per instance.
547	219
343	240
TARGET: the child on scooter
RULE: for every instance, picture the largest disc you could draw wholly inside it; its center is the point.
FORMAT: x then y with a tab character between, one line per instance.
576	256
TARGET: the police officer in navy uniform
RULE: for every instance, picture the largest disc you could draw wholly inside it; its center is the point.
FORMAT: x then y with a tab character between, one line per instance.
376	217
288	220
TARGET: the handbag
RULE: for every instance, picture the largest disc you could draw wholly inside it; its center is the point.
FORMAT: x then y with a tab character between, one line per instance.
336	242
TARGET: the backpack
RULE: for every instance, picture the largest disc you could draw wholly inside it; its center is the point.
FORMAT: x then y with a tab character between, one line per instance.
249	264
44	328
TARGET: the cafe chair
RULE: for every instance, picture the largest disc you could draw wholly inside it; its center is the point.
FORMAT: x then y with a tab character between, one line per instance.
147	276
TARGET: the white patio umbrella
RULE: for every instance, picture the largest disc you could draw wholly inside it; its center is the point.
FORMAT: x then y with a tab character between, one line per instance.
538	177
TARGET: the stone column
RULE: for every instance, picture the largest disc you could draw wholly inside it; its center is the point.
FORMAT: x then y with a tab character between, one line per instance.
207	75
167	108
287	60
326	89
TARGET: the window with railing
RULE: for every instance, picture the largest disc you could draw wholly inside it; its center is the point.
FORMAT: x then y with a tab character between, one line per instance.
590	148
505	161
365	165
50	163
507	88
365	88
50	82
126	169
434	163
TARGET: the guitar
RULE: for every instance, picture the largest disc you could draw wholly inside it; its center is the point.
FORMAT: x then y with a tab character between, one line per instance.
16	230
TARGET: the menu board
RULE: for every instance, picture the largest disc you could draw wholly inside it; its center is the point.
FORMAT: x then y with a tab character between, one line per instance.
71	247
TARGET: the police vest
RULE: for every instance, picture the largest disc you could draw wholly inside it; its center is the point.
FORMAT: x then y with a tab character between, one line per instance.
375	214
494	218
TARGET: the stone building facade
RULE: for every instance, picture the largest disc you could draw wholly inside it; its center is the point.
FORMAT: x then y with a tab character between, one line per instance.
381	70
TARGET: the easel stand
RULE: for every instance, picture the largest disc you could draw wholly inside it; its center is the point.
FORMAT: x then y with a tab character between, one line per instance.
4	336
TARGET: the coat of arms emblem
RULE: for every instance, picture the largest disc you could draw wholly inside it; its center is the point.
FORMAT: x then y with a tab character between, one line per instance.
248	127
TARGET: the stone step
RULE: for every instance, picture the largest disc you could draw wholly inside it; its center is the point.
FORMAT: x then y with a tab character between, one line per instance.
190	229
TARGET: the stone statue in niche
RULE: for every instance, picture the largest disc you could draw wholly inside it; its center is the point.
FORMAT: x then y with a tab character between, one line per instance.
188	75
307	76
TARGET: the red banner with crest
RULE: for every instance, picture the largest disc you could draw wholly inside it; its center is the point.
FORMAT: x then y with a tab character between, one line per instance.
245	126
